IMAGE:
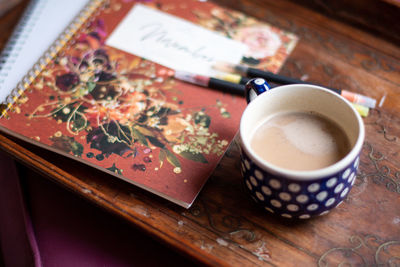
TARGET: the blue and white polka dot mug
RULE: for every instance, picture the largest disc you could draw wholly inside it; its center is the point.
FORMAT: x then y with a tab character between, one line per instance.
289	193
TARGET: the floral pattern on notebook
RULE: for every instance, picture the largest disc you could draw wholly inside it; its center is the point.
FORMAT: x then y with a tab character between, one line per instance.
127	115
268	46
123	108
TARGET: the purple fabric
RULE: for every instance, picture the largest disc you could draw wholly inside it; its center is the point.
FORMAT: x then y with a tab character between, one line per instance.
17	240
61	229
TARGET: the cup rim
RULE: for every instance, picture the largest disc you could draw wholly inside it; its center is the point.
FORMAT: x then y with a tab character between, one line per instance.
298	174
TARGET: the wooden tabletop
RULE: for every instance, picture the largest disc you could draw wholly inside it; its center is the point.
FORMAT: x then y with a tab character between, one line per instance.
224	227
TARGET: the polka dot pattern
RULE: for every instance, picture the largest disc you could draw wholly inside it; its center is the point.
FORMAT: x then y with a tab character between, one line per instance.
313	187
291	198
260	196
249	185
329	202
302	198
258	174
292	207
247	164
285	196
338	188
274	183
344	192
324	212
346	173
276	203
322	195
266	190
253	181
269	209
356	162
312	207
331	182
294	188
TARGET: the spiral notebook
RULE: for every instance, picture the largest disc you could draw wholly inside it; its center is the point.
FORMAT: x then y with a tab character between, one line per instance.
104	92
40	25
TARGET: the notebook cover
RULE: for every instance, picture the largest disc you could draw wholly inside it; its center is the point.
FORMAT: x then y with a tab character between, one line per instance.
127	115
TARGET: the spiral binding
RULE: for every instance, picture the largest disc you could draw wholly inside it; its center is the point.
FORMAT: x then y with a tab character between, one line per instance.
19	36
50	54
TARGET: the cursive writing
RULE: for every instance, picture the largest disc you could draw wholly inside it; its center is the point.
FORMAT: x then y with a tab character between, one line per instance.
156	33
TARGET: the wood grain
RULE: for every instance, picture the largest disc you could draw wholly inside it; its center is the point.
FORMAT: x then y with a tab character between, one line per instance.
224	227
371	15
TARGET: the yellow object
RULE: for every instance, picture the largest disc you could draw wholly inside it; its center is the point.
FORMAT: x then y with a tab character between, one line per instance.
363	111
233	78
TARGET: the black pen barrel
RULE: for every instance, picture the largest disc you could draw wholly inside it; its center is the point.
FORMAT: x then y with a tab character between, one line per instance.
269	76
244	80
226	86
276	78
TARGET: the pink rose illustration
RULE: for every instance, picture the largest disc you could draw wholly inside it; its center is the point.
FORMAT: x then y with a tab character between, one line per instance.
262	42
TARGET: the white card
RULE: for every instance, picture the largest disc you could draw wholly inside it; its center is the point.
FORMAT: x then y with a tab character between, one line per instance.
173	42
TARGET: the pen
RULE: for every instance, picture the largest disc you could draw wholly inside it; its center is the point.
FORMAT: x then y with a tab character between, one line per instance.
276	78
233	78
210	82
232	87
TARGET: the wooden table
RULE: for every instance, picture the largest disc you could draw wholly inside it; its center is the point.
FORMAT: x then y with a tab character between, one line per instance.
224	227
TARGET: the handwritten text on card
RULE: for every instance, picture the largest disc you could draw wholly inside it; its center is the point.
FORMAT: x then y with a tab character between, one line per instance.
173	42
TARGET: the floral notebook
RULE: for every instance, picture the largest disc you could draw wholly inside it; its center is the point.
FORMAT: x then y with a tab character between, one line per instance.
104	93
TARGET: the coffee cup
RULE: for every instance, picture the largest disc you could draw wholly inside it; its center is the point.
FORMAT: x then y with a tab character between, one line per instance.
288	192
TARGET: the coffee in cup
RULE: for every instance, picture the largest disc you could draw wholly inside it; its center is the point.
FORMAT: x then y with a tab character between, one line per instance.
300	141
312	139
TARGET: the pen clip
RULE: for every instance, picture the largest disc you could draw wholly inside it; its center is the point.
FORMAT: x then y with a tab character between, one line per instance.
255	87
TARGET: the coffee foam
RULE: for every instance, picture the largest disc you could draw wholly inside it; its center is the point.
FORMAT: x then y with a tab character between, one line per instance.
300	141
307	134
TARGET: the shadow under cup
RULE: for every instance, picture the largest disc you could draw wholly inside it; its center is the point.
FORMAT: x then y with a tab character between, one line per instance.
300	194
